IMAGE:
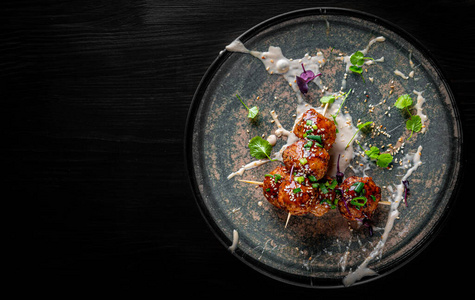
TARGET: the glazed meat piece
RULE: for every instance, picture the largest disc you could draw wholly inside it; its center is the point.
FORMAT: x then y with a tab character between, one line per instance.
325	196
359	199
295	197
306	157
272	183
313	124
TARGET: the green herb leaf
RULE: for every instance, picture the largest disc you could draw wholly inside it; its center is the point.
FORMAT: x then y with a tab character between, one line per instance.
260	148
384	160
356	69
358	58
361	126
297	190
327	99
403	101
414	124
373	152
312	178
252	112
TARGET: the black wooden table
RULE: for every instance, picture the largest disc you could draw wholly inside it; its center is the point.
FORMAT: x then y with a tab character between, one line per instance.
96	95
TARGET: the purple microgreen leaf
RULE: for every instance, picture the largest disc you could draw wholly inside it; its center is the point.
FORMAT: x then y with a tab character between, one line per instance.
305	78
303	86
339	175
406	190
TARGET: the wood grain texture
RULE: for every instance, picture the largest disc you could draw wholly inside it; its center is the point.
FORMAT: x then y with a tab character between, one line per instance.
96	95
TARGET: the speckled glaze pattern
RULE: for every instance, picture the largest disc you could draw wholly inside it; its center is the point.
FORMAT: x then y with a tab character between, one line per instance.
320	251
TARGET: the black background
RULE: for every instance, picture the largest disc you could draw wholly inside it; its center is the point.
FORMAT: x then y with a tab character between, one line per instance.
95	96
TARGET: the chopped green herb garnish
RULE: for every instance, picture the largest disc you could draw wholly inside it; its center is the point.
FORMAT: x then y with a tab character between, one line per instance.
355	201
277	177
323	188
297	190
299	179
252	112
309	122
317	138
312	178
332	185
308	144
303	161
359	187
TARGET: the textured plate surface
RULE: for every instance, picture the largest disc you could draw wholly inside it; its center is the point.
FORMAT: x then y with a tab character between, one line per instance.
321	251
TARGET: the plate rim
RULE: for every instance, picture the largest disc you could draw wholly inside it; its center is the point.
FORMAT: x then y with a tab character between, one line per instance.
300	280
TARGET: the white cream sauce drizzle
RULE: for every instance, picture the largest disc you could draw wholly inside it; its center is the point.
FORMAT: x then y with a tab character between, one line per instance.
233	246
395	200
420	101
400	74
251	165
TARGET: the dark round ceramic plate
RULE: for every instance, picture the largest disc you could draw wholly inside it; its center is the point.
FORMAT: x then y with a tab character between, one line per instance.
323	251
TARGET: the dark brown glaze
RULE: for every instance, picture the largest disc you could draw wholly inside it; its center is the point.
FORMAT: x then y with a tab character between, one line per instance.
355	212
317	159
324	199
272	183
295	197
324	127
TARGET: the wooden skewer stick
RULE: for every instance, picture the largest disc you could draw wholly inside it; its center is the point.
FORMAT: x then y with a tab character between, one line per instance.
325	110
253	182
288	217
287	222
